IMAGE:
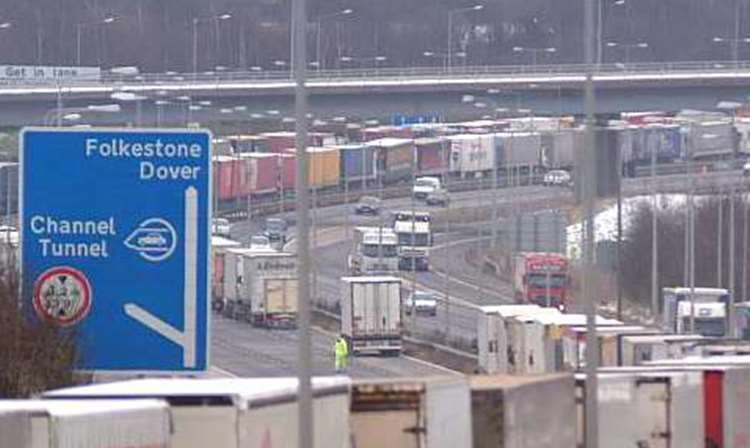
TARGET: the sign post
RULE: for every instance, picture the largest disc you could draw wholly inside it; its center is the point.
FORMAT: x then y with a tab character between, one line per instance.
115	243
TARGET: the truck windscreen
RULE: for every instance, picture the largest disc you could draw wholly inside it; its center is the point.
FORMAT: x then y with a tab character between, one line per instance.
371	250
540	281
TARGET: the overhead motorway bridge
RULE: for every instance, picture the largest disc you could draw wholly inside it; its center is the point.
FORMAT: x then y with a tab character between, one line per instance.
550	89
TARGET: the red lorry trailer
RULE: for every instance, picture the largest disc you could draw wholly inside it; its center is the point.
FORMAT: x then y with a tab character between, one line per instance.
541	278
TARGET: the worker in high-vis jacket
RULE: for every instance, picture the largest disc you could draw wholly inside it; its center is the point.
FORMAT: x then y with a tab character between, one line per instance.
341	354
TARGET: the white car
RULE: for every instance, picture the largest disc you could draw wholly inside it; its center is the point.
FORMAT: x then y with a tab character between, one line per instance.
220	227
260	242
557	178
746	169
423	186
421	302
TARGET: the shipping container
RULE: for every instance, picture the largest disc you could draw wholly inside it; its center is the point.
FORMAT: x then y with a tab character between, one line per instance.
322	139
523	412
288	171
385	132
639	349
725	390
518	149
711	139
653	409
280	141
644	117
411	413
471	154
248	143
559	148
324	166
231	413
357	162
432	155
609	339
371	313
219	246
492	334
538	124
230	177
84	423
394	159
263	285
262	172
221	147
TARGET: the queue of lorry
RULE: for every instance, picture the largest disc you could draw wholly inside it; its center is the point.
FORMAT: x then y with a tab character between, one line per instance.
686	403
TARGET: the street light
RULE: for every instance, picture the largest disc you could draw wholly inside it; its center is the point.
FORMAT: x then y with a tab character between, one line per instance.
735	44
627	47
374	59
534	52
344	12
449	62
445	56
79	27
196	21
75	113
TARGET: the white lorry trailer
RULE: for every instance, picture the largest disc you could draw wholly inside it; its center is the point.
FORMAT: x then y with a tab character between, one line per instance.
411	413
371	314
235	412
374	251
260	286
85	423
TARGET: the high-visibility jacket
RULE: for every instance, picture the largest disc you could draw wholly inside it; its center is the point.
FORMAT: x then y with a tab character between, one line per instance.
341	349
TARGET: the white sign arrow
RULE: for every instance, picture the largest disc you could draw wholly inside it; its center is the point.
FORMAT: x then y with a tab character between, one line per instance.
187	337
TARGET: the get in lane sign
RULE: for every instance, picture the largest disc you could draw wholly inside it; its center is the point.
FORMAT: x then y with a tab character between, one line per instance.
115	243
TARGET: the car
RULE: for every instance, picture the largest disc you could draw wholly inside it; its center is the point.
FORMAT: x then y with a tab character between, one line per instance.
438	197
152	239
275	230
557	178
422	302
746	169
220	227
367	205
423	186
260	242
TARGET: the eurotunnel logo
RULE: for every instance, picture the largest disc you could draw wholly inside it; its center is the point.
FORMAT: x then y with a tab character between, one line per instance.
62	295
155	239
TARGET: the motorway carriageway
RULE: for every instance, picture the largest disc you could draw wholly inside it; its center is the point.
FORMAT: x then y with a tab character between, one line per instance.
243	350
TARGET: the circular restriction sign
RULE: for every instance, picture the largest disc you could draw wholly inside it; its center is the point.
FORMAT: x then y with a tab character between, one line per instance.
62	295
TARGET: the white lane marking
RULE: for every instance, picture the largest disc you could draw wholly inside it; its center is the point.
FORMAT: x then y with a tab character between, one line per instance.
223	372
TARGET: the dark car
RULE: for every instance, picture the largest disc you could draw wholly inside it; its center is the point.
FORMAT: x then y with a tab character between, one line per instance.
438	197
367	205
275	230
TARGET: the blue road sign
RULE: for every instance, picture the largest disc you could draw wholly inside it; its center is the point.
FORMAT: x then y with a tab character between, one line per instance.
404	120
115	243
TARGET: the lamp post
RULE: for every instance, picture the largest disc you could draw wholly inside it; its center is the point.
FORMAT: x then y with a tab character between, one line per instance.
360	60
76	113
130	96
449	62
534	52
344	12
79	29
735	44
445	56
627	48
196	22
600	27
